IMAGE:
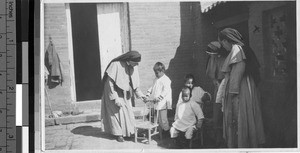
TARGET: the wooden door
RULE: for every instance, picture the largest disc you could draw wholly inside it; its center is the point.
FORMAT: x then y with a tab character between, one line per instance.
113	31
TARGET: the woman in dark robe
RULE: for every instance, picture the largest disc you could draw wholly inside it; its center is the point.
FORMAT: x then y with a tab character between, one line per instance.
217	55
120	81
243	125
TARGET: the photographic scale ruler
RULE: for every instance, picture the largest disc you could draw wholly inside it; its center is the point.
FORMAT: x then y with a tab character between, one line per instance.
8	76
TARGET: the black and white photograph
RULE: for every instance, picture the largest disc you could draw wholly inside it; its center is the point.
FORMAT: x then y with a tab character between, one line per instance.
165	76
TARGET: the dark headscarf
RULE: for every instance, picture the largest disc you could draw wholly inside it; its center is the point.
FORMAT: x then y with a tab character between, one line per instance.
214	64
233	36
252	64
133	56
215	47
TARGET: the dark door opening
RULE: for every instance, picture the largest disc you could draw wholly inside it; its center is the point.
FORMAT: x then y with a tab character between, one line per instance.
86	51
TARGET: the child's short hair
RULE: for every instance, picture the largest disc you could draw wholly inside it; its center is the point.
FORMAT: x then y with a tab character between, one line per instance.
187	88
189	76
159	67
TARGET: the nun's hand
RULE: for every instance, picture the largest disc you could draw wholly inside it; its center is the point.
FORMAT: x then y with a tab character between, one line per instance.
118	103
145	98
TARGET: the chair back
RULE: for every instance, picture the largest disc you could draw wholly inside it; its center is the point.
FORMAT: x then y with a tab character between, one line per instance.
150	104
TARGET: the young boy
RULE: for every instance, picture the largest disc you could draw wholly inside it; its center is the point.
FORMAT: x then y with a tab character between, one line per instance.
188	114
161	92
199	95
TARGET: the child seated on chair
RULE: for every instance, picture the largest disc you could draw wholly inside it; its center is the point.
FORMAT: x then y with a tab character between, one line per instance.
161	93
188	114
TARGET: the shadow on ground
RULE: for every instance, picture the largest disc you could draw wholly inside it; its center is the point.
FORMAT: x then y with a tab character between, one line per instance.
92	131
97	132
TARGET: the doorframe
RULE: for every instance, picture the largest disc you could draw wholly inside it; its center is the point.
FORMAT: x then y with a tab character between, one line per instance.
71	54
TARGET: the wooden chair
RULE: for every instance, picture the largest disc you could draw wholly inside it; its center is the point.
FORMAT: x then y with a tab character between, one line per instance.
198	134
151	125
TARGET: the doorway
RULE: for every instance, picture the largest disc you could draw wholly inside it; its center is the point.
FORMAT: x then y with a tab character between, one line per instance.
86	51
100	33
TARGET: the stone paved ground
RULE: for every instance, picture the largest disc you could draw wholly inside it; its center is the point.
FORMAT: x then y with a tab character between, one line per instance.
88	136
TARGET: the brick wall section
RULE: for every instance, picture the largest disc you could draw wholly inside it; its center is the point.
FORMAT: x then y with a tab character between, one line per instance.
56	26
162	32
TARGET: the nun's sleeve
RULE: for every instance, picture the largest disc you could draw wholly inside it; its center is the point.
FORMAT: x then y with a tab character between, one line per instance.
236	75
138	93
111	90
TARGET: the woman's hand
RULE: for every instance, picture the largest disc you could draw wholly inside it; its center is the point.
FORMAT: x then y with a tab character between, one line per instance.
205	98
199	123
118	103
216	83
157	99
145	98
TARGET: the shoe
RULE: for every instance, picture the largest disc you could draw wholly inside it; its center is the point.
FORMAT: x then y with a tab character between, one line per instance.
120	139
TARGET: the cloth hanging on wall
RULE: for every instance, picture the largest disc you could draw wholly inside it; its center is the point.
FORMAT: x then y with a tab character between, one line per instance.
53	65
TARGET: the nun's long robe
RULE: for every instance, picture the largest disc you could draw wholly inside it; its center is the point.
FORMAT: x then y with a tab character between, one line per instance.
243	126
117	120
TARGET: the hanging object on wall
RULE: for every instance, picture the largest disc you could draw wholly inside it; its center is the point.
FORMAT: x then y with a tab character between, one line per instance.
53	65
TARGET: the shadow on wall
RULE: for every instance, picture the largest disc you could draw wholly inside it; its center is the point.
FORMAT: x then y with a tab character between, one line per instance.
190	56
182	63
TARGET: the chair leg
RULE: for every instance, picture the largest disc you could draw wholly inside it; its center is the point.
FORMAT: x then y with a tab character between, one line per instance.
201	136
191	144
135	134
149	136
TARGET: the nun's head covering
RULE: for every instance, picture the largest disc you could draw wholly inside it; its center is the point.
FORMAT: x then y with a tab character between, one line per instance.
232	36
213	47
133	56
120	77
252	64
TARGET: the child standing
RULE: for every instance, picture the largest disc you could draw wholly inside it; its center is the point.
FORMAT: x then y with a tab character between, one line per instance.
161	92
188	114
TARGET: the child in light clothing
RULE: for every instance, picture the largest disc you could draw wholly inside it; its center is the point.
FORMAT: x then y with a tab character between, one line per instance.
188	114
198	94
161	93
